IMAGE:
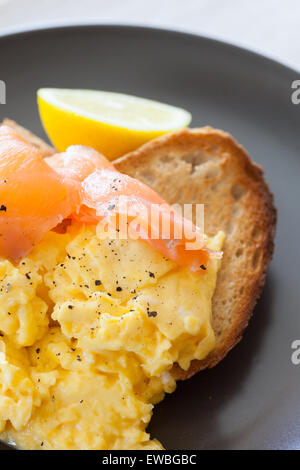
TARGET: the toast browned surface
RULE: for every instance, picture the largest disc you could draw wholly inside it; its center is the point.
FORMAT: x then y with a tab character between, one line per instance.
208	166
45	149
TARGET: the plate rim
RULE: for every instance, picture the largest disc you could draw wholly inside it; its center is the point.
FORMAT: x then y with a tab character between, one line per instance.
15	33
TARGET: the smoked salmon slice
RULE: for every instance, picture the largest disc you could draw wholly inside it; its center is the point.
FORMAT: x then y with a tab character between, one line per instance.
33	197
78	162
130	207
37	194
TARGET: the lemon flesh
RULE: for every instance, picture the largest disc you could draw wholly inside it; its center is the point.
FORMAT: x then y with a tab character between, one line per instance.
112	123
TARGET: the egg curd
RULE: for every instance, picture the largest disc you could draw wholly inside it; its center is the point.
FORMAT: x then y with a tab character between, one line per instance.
89	332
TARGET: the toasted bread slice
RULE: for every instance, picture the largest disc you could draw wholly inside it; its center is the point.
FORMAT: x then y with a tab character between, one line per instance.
45	149
208	166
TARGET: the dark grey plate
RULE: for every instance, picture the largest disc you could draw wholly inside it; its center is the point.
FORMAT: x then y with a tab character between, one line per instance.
251	400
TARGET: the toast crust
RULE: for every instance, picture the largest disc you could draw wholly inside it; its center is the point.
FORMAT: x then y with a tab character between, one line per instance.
208	166
45	149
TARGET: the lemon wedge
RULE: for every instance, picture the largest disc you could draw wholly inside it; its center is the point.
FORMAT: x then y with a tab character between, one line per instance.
112	123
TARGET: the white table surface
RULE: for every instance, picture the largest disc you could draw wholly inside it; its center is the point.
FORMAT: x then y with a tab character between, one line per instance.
271	27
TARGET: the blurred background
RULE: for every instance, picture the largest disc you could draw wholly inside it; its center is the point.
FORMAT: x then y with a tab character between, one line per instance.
267	26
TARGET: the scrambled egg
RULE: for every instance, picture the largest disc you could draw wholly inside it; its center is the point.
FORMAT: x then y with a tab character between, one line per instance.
89	332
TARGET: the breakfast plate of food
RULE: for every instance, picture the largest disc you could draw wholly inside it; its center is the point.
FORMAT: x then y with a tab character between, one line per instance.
142	172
